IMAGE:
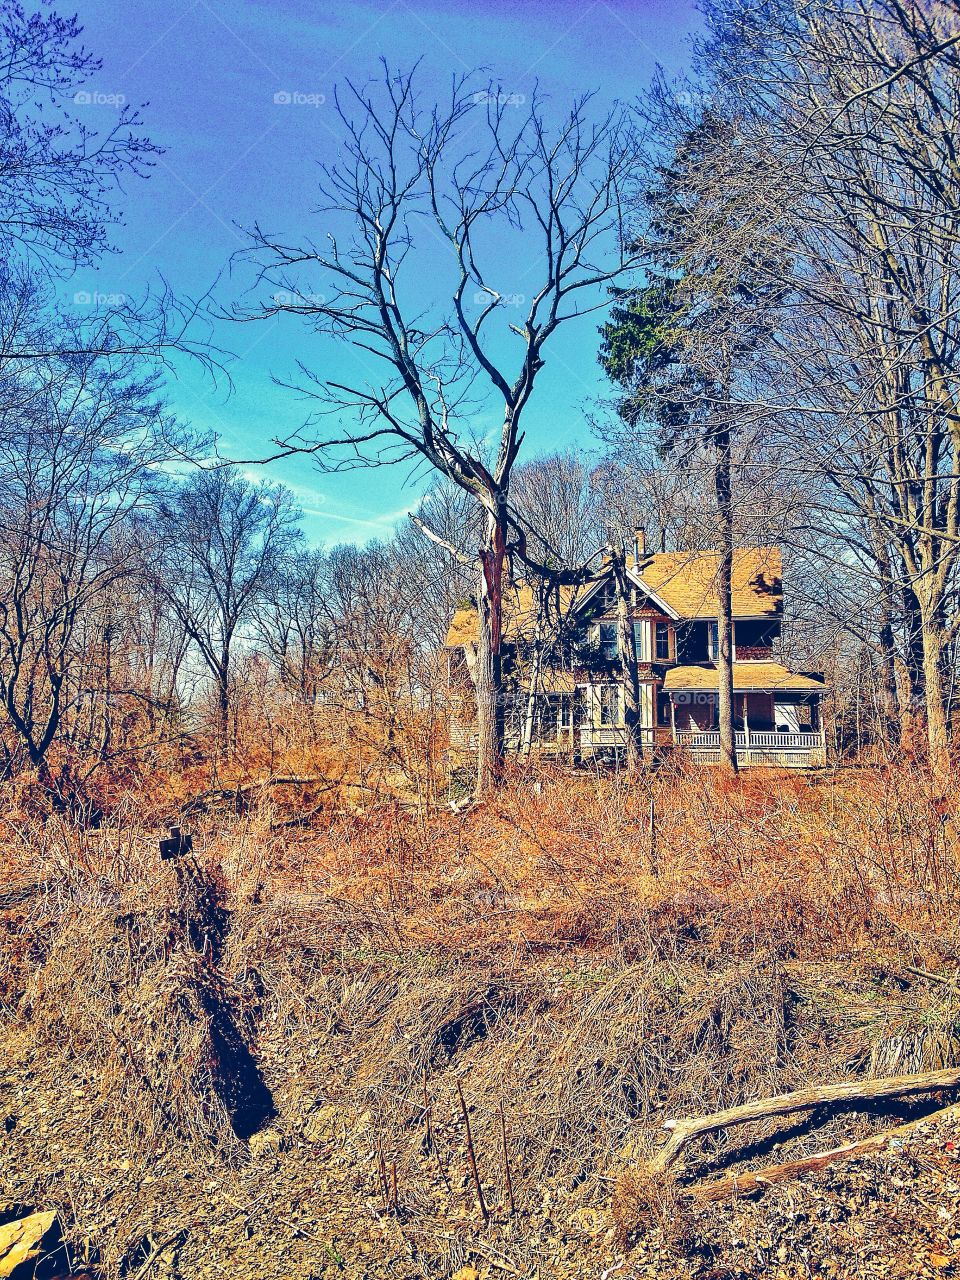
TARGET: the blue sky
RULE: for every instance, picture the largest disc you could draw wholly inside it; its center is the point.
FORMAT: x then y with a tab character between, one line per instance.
210	72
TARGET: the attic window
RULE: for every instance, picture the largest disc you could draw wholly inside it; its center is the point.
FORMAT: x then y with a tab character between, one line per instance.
608	596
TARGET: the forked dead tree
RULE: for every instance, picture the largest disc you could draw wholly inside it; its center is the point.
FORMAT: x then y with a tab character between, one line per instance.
515	224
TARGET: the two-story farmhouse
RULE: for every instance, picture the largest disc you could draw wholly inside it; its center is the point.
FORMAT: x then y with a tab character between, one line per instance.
563	674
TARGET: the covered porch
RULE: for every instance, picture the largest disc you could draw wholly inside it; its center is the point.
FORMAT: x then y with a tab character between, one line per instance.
777	715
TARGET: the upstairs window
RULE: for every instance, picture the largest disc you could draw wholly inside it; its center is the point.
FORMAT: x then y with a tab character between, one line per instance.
692	642
640	637
608	641
713	641
662	641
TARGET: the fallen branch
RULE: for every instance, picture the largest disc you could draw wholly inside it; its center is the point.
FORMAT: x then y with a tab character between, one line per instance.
744	1183
786	1104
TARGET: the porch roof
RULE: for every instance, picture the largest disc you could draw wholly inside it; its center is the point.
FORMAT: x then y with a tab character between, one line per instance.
758	677
553	682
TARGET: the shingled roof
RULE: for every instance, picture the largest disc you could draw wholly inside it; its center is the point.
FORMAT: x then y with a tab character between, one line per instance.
519	614
684	581
747	676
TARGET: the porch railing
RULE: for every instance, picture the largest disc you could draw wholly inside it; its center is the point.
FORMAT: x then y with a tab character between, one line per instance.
772	740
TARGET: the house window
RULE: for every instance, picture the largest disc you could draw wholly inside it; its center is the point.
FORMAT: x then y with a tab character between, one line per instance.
609	704
564	713
639	636
662	641
608	640
663	708
713	641
608	596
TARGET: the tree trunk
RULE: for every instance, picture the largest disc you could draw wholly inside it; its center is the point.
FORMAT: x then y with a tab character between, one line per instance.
627	656
887	654
935	700
223	710
489	676
723	491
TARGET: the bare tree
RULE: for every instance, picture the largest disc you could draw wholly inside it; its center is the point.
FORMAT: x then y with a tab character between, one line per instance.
854	110
58	178
483	184
210	549
79	443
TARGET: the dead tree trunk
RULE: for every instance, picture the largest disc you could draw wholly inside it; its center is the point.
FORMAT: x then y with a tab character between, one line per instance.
743	1183
627	658
786	1104
489	681
723	491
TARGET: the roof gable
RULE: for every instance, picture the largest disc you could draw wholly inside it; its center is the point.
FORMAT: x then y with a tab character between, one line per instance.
686	581
682	583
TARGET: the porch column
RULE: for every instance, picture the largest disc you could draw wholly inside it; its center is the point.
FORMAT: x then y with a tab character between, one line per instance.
746	733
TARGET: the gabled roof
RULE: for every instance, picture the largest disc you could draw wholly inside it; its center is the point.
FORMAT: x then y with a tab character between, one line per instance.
519	615
765	676
682	583
686	581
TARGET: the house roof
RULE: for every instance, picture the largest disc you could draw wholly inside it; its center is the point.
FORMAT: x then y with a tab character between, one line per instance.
686	581
519	615
554	682
747	676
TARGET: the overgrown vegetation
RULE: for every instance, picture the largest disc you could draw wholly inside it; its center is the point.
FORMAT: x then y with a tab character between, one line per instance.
790	930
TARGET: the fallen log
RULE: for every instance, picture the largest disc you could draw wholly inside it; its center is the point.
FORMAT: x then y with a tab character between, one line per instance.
785	1104
744	1183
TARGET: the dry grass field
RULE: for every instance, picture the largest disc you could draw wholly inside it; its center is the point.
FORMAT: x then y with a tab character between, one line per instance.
250	1061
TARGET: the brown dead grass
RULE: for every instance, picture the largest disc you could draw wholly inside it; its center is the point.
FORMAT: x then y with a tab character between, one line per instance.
526	950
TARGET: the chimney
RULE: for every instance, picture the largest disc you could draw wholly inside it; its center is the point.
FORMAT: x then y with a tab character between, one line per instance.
639	544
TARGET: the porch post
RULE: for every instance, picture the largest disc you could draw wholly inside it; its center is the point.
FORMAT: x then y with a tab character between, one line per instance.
673	720
746	733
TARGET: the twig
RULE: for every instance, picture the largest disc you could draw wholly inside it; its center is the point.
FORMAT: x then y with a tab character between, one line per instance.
933	977
157	1250
432	1144
384	1187
473	1157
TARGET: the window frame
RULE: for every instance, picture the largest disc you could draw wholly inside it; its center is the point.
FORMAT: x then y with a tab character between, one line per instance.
608	711
661	629
610	647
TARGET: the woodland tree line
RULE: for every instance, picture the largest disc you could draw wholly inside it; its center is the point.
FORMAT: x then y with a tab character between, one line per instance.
770	252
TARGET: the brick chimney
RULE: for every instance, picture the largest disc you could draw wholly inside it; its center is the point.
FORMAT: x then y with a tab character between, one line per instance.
639	544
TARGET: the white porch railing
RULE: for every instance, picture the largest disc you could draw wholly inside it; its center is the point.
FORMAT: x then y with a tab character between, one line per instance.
781	749
772	740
